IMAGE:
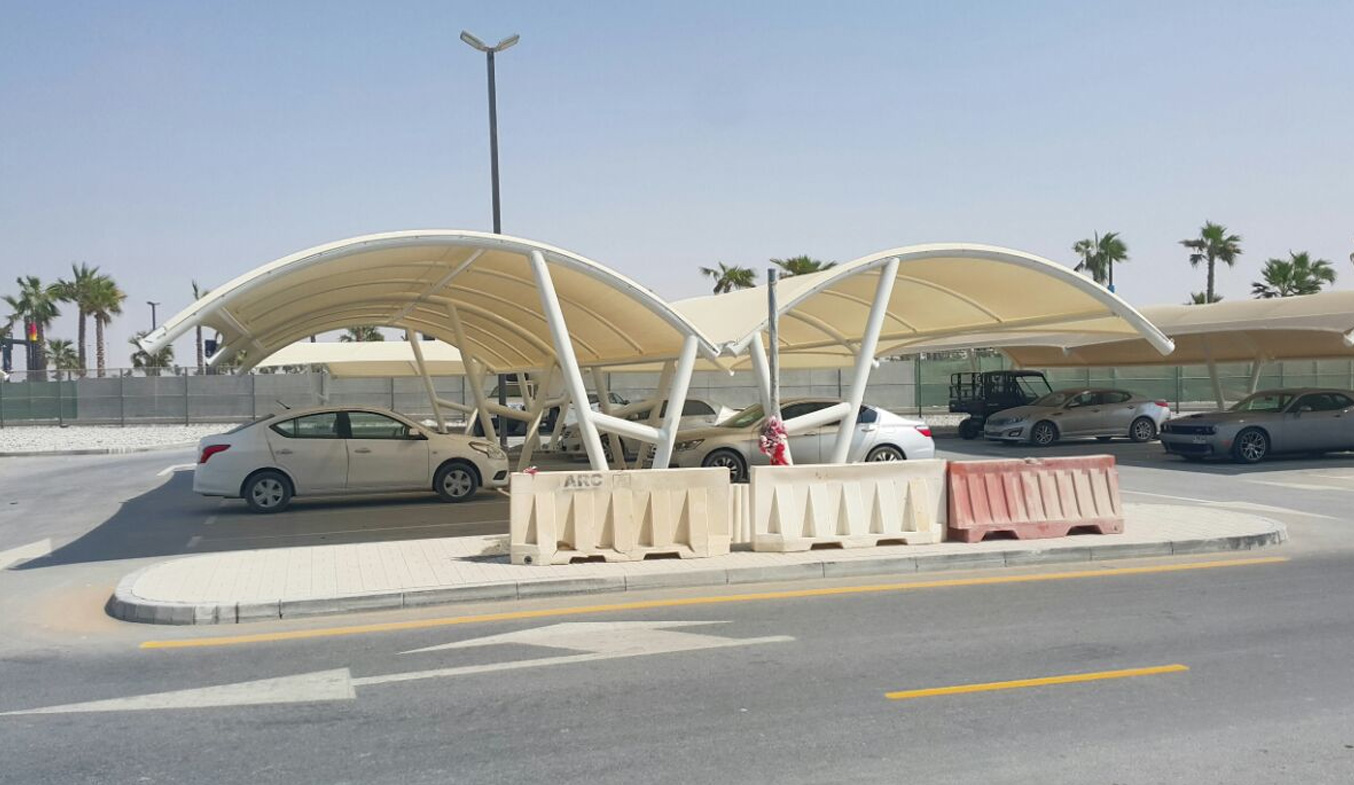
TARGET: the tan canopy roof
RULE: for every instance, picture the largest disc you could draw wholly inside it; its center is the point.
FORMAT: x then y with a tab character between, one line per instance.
961	293
1312	327
369	358
413	279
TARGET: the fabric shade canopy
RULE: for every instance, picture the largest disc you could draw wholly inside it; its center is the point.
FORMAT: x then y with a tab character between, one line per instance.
370	358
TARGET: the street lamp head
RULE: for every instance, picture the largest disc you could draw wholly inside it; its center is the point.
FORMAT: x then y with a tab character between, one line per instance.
473	41
507	42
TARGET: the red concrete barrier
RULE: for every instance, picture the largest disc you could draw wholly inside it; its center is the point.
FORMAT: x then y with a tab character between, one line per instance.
1034	498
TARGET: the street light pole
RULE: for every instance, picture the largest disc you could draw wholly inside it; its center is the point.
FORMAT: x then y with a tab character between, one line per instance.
489	52
153	322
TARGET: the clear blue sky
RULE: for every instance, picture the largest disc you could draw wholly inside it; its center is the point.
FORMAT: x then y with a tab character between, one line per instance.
171	141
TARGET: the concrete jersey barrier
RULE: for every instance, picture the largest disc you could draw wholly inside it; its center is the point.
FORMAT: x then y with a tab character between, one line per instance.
1034	498
794	508
560	517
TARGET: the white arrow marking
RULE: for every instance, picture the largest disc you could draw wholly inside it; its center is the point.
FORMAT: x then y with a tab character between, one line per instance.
597	641
32	550
178	467
319	686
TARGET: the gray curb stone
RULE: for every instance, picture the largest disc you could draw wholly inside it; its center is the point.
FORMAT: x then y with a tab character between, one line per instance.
126	605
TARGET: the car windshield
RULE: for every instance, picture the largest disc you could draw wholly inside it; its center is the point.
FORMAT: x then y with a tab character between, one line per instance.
749	416
1057	398
1264	402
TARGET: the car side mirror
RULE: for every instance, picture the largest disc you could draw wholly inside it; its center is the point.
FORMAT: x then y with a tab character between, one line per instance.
1302	409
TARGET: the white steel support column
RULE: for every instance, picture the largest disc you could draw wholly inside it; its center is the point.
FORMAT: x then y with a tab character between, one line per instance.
681	381
604	403
473	372
646	450
537	407
1256	367
568	361
865	359
1213	376
762	370
412	337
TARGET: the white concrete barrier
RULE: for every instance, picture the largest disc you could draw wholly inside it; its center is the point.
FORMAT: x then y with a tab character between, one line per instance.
559	517
855	505
740	514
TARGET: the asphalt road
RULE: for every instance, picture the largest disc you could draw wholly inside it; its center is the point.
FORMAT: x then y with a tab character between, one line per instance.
1268	695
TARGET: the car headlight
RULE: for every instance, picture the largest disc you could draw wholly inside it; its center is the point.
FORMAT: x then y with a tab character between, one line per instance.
489	449
688	445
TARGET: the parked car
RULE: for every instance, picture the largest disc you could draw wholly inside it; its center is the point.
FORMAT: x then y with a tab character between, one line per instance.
696	413
331	450
880	435
980	395
1080	413
1274	421
513	394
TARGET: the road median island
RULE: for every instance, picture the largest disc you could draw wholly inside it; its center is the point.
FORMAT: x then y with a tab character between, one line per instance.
283	583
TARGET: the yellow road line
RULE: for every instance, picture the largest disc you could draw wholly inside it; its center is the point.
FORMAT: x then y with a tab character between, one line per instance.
1019	684
362	629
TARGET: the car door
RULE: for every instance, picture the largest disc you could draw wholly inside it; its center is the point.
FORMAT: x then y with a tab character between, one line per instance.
310	448
385	453
1116	413
1316	421
807	447
1078	416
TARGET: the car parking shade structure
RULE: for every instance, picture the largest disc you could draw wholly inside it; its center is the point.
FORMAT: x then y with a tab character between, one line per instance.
369	359
1308	327
890	302
508	304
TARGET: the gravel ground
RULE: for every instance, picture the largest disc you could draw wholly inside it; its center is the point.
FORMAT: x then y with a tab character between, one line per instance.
95	437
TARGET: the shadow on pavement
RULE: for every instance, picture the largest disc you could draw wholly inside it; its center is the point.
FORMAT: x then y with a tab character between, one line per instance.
171	520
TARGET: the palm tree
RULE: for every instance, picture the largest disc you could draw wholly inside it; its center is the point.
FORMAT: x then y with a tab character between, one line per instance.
36	305
1201	298
198	294
362	332
1298	274
727	278
104	303
63	356
1098	255
78	290
1213	245
152	364
801	265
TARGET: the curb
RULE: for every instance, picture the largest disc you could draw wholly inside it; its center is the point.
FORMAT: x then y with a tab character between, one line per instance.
127	606
97	451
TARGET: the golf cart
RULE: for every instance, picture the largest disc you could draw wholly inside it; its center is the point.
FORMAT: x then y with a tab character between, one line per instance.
980	395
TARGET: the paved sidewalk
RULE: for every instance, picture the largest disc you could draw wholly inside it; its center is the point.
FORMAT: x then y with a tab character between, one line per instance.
241	586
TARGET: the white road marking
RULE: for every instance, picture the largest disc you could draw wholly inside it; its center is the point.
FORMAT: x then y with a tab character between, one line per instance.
178	467
33	550
595	640
1231	505
193	542
1299	486
211	519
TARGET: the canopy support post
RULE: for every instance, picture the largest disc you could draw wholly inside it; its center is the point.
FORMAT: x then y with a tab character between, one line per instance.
604	403
865	360
412	337
1213	376
536	407
646	450
568	361
681	382
1256	367
472	370
762	370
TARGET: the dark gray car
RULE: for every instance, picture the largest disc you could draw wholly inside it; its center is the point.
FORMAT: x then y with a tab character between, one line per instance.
1311	420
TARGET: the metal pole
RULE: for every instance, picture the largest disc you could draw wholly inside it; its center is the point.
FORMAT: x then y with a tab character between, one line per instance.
860	377
60	413
498	222
773	337
412	337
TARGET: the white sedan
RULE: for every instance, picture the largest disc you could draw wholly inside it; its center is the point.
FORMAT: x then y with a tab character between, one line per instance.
696	413
331	450
880	435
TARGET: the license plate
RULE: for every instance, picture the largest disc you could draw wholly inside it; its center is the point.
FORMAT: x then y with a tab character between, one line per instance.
1199	440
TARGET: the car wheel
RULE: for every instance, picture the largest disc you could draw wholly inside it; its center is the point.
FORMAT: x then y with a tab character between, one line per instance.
1043	433
267	491
885	452
969	428
1142	430
728	459
456	481
1250	446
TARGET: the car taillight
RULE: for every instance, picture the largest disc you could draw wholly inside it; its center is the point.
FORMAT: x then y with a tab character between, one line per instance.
924	430
212	449
1162	404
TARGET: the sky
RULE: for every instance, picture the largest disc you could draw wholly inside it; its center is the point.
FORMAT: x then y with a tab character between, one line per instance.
171	142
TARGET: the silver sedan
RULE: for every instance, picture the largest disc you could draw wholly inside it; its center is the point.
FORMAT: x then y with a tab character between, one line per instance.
1293	420
1079	413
